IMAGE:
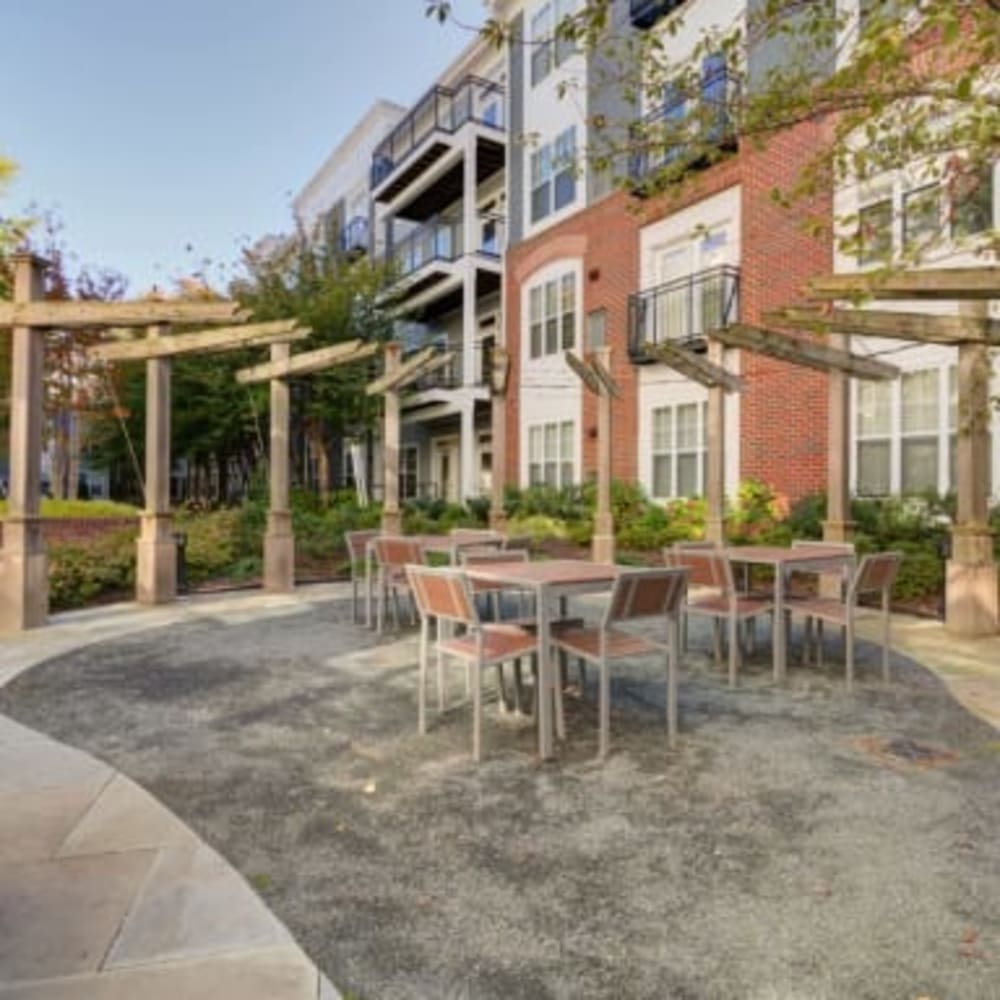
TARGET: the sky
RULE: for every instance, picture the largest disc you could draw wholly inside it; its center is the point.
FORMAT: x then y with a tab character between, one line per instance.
166	133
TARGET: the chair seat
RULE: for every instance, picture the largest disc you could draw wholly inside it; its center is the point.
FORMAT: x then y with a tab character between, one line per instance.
586	642
717	605
500	643
827	608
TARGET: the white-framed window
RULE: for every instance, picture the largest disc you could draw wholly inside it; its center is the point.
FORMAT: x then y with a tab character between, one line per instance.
549	46
409	470
553	175
875	232
551	449
679	451
921	217
906	433
552	316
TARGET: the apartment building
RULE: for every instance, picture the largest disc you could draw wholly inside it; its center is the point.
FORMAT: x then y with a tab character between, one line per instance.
438	192
590	264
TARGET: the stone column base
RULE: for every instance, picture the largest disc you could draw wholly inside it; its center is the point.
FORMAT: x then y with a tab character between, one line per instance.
156	560
602	546
279	553
24	577
392	522
972	599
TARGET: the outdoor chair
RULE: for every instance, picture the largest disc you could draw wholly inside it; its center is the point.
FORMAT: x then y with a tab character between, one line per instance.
711	569
357	550
393	553
637	594
446	596
875	575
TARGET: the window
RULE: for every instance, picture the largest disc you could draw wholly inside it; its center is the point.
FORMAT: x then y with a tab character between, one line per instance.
714	87
875	232
553	175
550	454
972	203
408	473
550	46
921	217
874	444
541	44
552	316
919	431
679	450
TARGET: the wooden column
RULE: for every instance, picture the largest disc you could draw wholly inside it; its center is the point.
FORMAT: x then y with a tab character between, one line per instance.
156	550
279	540
392	522
715	488
972	607
24	586
603	543
838	526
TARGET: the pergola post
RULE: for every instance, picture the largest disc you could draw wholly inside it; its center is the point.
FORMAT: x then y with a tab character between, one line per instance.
715	488
392	522
603	542
972	607
498	444
156	550
279	540
838	526
24	588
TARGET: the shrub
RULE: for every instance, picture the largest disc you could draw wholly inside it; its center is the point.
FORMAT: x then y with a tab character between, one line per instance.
80	508
537	527
80	574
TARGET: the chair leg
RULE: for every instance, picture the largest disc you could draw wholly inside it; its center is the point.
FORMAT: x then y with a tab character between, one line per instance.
734	649
440	667
477	713
604	710
422	695
717	639
819	643
557	693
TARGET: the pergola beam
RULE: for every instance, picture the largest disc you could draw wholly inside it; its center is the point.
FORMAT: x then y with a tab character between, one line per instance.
227	338
78	315
954	283
307	363
922	327
807	353
432	364
396	378
693	366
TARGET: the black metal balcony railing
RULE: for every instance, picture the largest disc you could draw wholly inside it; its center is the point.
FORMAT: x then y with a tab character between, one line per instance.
439	239
452	375
683	130
442	109
354	235
684	310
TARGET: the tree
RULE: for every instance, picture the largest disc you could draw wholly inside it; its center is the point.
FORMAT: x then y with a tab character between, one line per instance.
907	84
339	298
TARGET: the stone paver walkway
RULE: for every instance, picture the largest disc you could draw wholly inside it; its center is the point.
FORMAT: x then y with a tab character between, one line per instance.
105	894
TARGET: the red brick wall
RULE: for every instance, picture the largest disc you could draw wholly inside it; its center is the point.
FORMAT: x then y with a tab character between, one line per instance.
60	531
783	424
784	407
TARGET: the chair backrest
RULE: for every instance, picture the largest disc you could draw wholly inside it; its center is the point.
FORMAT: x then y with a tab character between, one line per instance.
876	574
397	551
481	557
443	594
707	566
647	593
357	543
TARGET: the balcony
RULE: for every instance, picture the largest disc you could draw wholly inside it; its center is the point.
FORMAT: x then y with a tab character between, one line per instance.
683	131
683	311
443	111
438	240
451	375
354	235
645	13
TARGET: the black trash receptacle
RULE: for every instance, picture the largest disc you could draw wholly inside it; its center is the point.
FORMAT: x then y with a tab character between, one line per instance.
180	541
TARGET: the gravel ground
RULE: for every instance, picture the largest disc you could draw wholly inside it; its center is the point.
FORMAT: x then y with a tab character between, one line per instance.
800	843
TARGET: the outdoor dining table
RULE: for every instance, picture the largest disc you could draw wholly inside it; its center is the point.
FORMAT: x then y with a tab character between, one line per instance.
811	559
549	580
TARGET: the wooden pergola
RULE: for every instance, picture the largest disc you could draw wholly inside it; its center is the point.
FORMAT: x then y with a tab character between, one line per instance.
279	539
23	563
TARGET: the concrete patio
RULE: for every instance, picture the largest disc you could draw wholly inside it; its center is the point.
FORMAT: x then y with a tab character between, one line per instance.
798	839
